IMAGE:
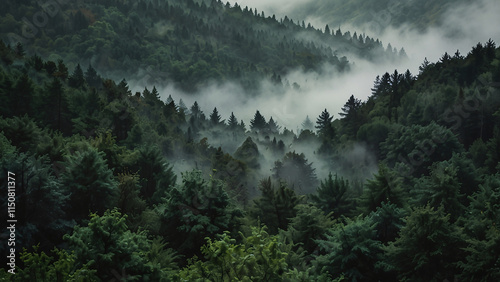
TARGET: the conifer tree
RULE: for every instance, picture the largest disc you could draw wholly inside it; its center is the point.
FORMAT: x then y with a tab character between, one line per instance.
76	79
258	123
215	118
89	183
333	196
428	247
232	122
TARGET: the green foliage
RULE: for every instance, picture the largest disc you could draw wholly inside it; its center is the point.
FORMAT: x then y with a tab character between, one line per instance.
295	170
81	143
107	246
38	266
440	189
259	257
417	147
332	196
481	261
276	207
156	175
249	153
194	210
36	189
309	225
22	131
386	187
390	220
258	123
351	248
428	247
89	183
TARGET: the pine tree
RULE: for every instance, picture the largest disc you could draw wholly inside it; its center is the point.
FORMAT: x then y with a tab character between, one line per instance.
23	100
92	77
76	79
333	196
276	207
156	175
182	107
215	117
307	124
258	123
352	249
196	111
107	246
273	127
351	116
232	122
89	183
297	172
169	99
323	123
327	30
194	210
428	247
56	100
384	187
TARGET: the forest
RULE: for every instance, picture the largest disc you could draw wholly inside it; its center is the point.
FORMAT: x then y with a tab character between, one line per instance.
113	184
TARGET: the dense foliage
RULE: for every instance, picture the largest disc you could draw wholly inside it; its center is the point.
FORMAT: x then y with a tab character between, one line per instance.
115	185
186	42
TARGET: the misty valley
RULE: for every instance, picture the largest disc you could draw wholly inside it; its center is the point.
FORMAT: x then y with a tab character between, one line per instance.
196	140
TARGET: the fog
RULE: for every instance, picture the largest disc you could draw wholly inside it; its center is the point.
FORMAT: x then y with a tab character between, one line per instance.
463	27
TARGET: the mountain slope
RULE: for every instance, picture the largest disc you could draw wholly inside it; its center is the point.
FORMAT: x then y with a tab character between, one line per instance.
186	42
376	14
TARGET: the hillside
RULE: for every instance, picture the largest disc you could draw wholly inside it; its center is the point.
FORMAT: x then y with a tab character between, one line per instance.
185	42
78	143
104	183
377	15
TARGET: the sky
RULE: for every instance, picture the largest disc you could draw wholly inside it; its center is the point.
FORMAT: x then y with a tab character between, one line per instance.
463	28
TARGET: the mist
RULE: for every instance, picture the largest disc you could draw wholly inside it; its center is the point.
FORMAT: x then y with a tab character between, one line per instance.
463	27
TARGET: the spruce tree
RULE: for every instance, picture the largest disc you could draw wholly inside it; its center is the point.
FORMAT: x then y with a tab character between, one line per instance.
258	123
76	79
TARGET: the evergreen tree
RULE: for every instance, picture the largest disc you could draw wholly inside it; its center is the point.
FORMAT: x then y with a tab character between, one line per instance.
428	247
307	124
295	170
215	117
23	94
92	77
183	107
351	116
258	123
352	249
259	257
36	189
194	210
107	246
89	183
324	124
332	195
76	79
307	227
156	176
273	127
196	111
276	207
232	122
56	100
385	187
